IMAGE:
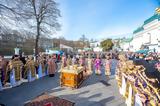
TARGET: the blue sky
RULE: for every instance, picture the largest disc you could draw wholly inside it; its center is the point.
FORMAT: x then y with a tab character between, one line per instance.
103	18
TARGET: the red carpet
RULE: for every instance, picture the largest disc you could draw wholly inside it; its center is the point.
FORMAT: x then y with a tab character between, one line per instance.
48	100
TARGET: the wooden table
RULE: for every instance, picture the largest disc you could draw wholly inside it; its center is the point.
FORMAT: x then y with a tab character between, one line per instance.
71	77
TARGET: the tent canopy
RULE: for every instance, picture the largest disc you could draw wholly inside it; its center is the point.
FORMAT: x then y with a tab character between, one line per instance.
53	52
87	49
97	49
144	51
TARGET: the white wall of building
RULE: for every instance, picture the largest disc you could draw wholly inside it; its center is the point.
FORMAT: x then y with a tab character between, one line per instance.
68	48
125	46
150	35
96	46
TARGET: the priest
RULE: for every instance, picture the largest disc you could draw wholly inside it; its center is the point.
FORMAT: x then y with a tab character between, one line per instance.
51	66
98	65
30	69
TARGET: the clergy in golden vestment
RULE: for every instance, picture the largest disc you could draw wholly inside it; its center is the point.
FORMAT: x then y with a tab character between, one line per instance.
30	66
41	66
17	66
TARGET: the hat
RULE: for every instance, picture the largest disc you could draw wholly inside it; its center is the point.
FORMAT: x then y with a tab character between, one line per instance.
130	64
30	56
122	57
16	56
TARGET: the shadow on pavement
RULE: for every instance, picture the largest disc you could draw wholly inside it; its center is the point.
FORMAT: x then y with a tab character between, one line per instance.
93	79
56	90
87	101
105	83
83	92
94	96
17	96
102	102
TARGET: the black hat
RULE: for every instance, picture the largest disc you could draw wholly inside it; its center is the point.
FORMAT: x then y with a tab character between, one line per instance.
15	55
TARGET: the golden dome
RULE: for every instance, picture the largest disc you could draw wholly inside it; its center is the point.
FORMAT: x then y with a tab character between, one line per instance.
158	10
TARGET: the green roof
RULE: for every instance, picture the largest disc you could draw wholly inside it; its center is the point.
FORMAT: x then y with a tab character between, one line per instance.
138	30
127	40
155	16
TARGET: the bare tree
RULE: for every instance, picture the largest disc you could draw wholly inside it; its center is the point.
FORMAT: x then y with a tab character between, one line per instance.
84	40
6	12
40	15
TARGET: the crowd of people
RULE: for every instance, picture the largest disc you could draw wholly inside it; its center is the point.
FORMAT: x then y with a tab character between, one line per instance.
139	71
150	59
20	69
145	78
91	62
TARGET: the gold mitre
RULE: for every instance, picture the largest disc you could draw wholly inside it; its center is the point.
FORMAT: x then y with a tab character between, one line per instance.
158	10
30	57
130	64
122	57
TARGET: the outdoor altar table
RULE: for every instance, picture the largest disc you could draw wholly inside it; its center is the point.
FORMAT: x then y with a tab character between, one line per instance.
72	77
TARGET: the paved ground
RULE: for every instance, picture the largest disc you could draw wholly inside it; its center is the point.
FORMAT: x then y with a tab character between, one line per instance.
94	91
